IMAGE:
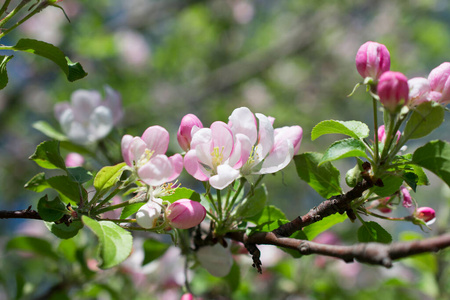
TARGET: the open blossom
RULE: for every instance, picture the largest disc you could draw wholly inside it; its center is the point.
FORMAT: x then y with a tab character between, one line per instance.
393	90
87	118
146	154
372	59
419	91
382	134
188	124
265	150
214	155
185	213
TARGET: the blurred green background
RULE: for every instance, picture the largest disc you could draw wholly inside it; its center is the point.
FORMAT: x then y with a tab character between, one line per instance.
290	59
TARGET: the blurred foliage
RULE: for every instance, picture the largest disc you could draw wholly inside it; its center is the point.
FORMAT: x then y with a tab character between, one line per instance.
291	59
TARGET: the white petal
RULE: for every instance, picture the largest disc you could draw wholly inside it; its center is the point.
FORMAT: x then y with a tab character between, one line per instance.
100	122
157	171
225	176
84	102
265	135
243	121
279	158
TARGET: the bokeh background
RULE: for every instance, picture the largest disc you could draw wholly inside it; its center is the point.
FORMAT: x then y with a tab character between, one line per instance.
290	59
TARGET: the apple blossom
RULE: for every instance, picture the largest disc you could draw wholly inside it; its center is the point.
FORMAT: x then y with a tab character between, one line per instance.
439	80
405	196
216	259
74	159
188	124
146	155
147	216
427	214
87	118
383	205
393	90
268	150
214	155
372	59
187	296
185	213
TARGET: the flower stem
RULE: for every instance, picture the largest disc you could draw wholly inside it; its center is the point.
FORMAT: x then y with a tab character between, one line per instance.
375	124
38	9
4	7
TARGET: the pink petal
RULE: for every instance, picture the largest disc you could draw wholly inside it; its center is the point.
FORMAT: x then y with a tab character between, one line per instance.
125	146
157	171
157	139
243	121
279	157
193	167
266	135
222	138
177	164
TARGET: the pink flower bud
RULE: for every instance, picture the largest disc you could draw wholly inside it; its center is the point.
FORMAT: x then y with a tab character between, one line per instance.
184	134
185	213
187	296
372	59
427	214
419	90
384	206
406	196
439	79
382	134
74	159
393	90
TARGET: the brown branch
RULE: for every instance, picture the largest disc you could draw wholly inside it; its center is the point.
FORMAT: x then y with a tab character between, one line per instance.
20	214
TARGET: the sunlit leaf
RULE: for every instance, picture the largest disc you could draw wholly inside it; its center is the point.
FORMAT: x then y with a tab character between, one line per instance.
425	118
354	129
47	155
108	176
344	148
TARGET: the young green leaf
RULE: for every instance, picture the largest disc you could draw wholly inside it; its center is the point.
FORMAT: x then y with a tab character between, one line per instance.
3	73
63	231
49	131
253	204
323	179
268	218
47	156
79	174
425	118
51	211
313	230
435	156
73	71
354	129
373	232
182	193
153	249
107	177
130	209
115	242
69	191
38	183
391	184
342	149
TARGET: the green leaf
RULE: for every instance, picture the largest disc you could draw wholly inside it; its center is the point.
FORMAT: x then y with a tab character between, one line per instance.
344	148
31	244
51	211
49	131
354	129
107	177
79	174
115	242
391	185
131	209
253	204
373	232
435	156
411	179
313	230
63	231
153	250
182	193
425	118
323	179
268	218
353	175
47	156
234	277
68	248
69	191
73	71
3	73
38	183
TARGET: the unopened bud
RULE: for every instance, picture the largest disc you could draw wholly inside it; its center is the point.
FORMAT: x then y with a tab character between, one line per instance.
74	159
427	214
184	134
393	90
185	213
372	59
147	216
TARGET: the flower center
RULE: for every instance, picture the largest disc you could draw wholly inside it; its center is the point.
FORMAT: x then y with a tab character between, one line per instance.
145	157
217	157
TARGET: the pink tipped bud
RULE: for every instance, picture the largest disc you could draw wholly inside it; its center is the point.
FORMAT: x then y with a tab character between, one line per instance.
185	213
439	80
74	159
393	90
184	134
372	59
406	196
382	134
427	214
187	296
419	90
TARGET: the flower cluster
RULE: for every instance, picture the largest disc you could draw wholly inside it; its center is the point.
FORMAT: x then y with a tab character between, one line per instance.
220	154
